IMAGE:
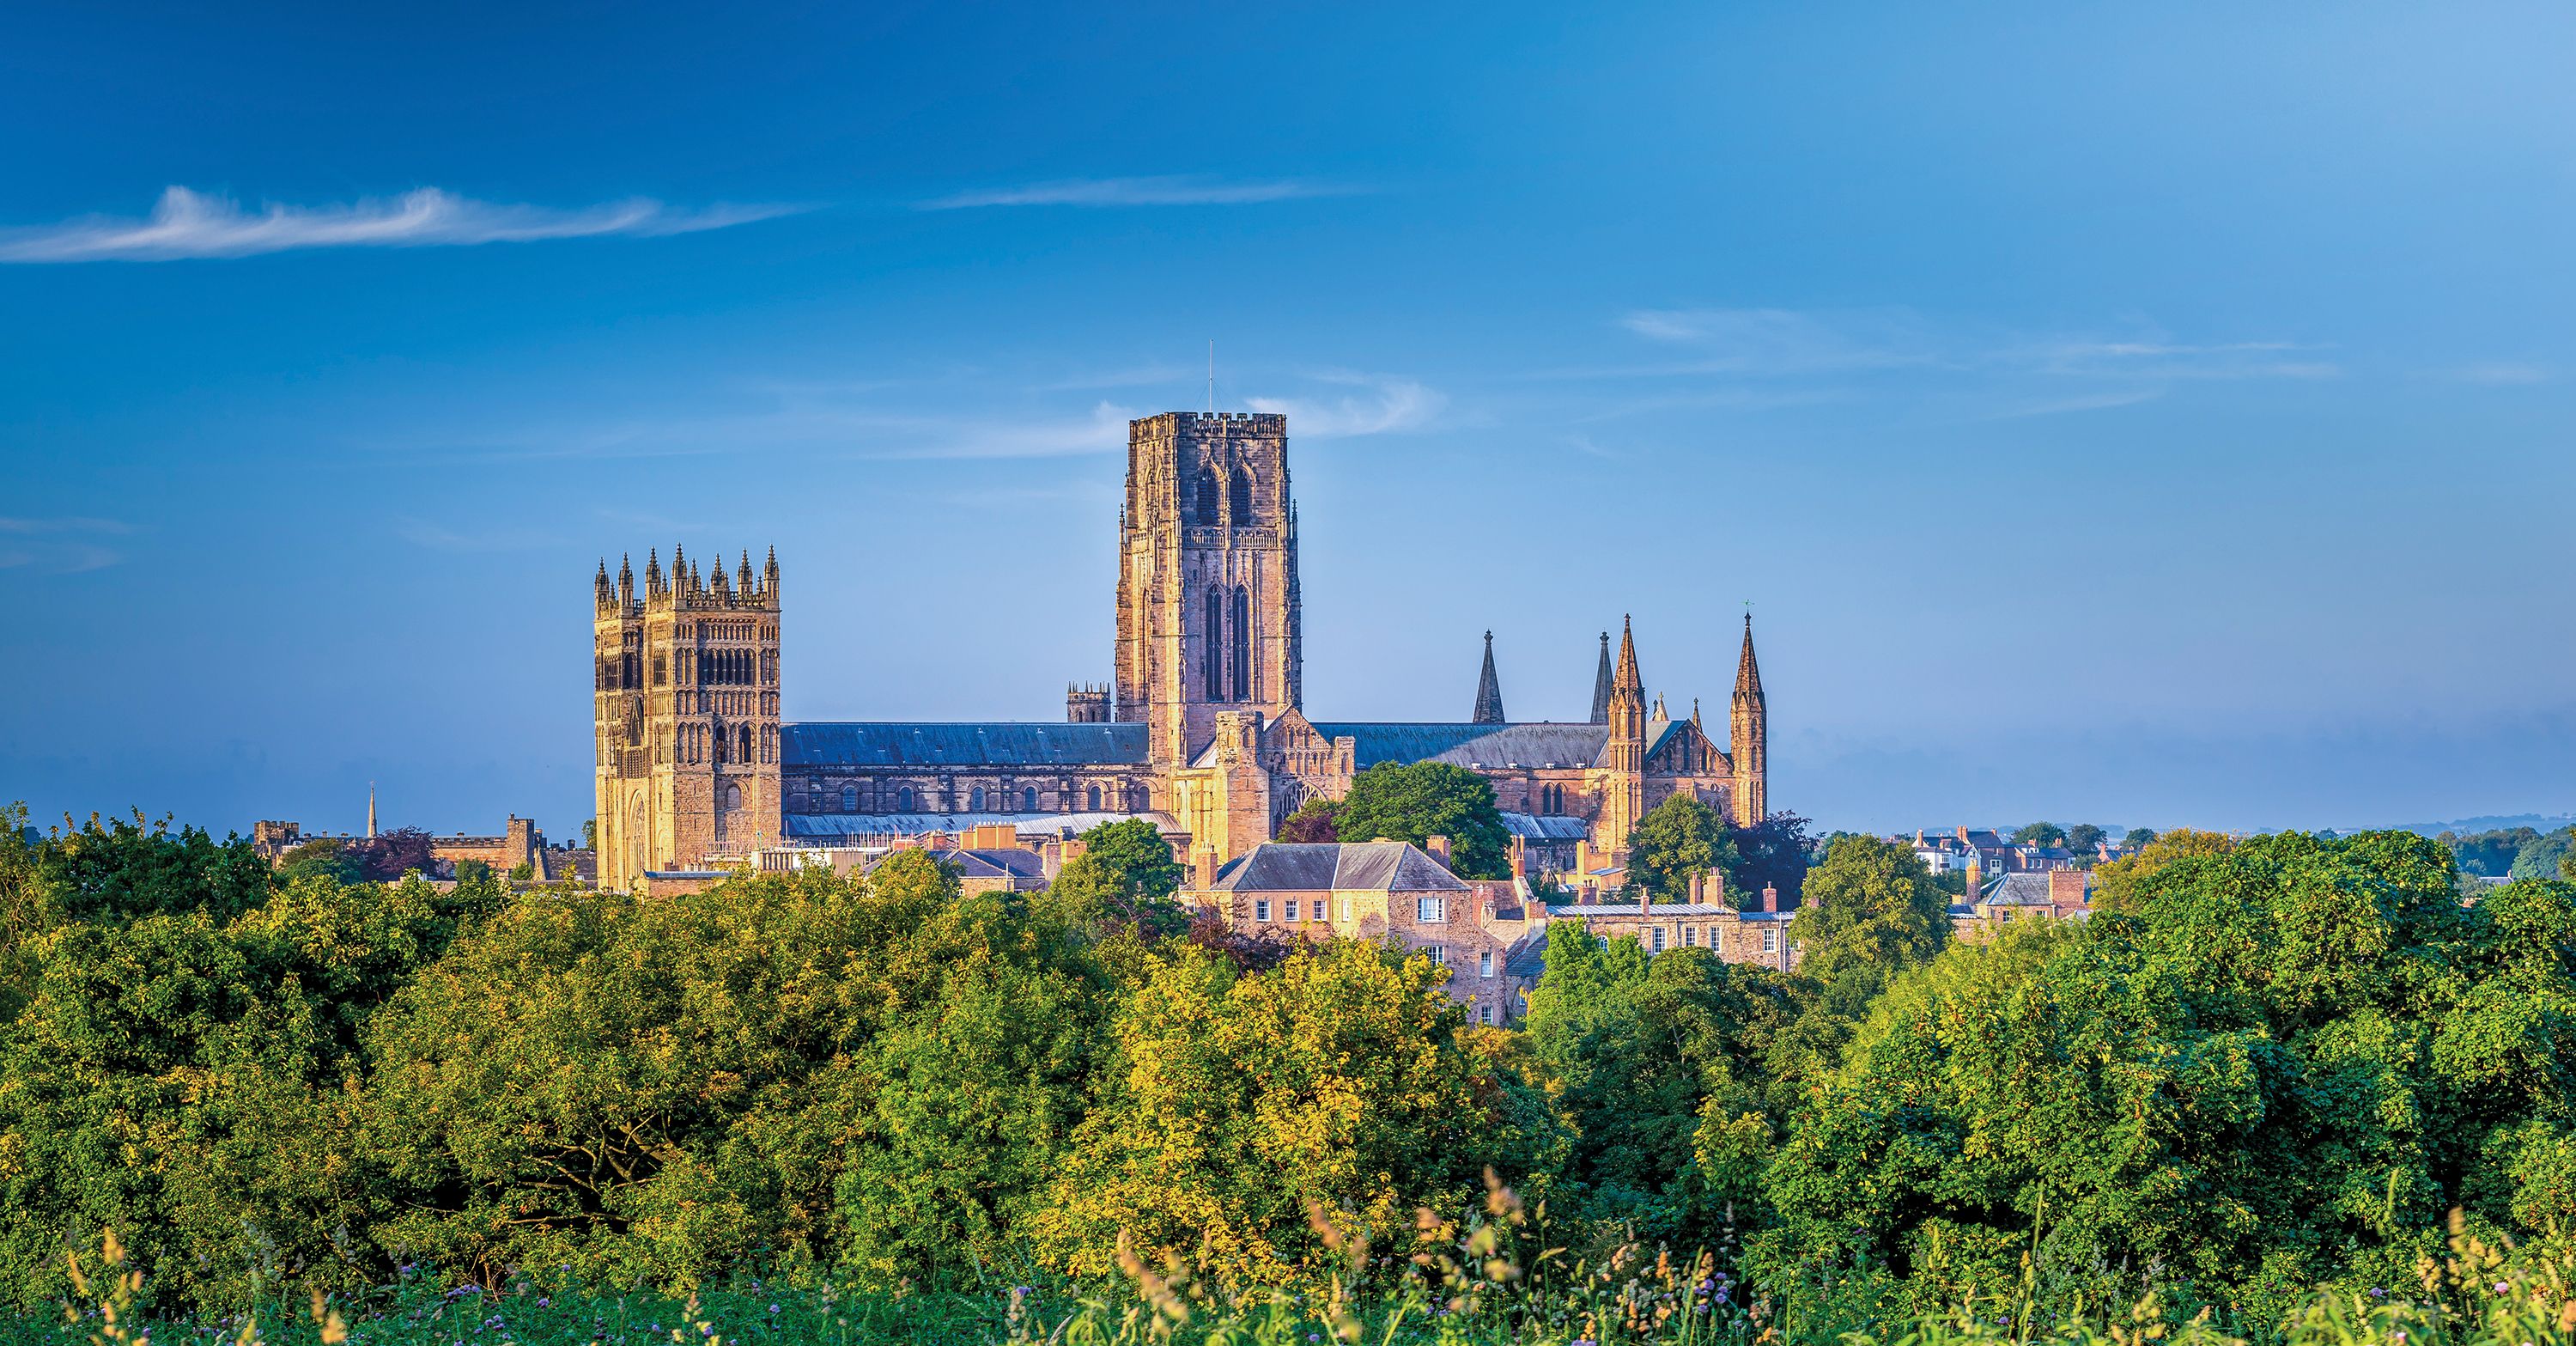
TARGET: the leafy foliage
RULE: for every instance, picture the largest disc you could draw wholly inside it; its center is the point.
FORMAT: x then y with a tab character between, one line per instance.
1427	799
1678	839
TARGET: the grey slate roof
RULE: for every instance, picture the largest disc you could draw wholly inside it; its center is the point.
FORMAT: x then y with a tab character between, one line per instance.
2018	890
1529	745
1545	826
820	828
1316	866
1528	956
1000	743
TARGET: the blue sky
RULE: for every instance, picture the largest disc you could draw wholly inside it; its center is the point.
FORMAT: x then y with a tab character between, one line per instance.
2146	415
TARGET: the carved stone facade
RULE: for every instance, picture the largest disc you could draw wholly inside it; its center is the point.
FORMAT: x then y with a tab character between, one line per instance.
685	723
1201	726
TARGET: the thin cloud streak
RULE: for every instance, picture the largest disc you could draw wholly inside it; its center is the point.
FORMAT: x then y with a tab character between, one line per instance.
1153	191
59	546
185	225
1391	404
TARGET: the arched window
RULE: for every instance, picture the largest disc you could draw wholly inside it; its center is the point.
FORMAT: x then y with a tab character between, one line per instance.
746	744
722	740
1095	799
733	797
1239	495
1215	645
976	800
903	799
1204	489
1028	799
1240	646
849	799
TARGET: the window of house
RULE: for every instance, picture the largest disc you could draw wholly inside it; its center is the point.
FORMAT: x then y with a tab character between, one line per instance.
1659	939
1261	909
849	799
1346	909
1438	954
1485	1015
1430	910
1690	935
1770	941
1485	963
1292	909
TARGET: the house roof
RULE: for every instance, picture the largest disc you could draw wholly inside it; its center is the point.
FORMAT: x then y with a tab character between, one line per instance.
992	863
1545	827
2018	890
1007	743
1528	955
1342	866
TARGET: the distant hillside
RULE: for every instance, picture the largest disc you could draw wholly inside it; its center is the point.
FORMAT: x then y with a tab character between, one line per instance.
2538	822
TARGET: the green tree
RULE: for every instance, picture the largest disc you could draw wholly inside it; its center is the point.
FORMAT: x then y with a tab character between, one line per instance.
323	859
2539	857
2137	836
1133	857
1676	840
1426	799
473	871
1338	1077
2083	837
2038	834
1645	1051
1312	822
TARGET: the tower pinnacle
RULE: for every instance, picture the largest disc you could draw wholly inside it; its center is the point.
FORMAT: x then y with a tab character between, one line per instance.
1489	689
1601	684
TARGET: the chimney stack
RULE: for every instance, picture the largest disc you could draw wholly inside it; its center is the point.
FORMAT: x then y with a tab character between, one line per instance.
1520	857
1207	868
1770	898
1439	847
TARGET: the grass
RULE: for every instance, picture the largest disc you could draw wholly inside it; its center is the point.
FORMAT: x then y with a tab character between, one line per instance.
1470	1292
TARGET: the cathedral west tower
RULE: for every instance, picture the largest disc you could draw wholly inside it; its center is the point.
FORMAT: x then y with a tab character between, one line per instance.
685	715
1207	578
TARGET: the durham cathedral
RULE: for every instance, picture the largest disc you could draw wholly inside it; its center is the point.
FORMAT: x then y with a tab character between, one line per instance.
1201	727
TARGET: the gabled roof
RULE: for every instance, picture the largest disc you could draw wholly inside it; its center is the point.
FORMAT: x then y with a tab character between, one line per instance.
1528	745
1343	866
989	863
995	744
2018	890
1545	826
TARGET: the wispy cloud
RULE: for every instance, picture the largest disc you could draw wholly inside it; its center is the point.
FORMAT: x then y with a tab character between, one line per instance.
64	546
188	224
2499	374
1157	191
439	538
1387	404
1748	354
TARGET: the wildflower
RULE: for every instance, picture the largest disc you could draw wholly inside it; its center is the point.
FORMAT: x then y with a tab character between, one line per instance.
2377	1293
774	1308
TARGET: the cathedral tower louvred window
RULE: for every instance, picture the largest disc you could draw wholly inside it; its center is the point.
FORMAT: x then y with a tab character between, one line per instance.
1239	644
1239	493
1214	648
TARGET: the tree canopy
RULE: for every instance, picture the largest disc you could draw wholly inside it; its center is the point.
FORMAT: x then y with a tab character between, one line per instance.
1676	840
1421	800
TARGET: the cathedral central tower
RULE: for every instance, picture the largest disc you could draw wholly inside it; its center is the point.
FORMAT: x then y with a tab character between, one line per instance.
1207	577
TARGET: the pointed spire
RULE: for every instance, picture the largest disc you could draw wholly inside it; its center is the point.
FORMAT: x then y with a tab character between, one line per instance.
1748	674
1489	689
625	580
1601	684
1627	679
1660	713
1695	724
653	573
371	808
742	577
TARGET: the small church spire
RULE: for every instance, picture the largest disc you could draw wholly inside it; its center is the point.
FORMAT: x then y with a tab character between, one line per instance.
1748	674
1489	689
371	808
1601	684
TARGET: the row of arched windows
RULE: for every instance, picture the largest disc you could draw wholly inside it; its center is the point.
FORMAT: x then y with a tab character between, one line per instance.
1551	799
725	745
978	799
1238	493
729	668
1229	644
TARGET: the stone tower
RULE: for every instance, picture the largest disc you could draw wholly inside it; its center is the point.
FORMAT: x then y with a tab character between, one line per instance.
1489	689
1207	577
1623	758
686	715
1749	727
